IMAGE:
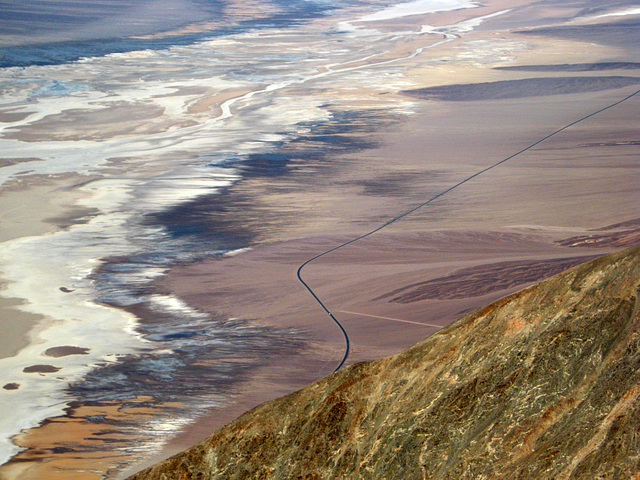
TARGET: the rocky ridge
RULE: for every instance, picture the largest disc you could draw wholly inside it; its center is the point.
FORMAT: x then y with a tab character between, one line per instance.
541	384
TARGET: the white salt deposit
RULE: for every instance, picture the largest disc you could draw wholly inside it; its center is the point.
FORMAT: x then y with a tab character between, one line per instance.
622	13
418	7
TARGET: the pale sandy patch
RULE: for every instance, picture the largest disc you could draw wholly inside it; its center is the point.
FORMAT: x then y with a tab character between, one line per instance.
16	326
33	206
37	204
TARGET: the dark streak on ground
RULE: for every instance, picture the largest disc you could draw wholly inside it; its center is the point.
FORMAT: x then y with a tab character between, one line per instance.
529	87
232	219
625	32
482	280
573	67
635	223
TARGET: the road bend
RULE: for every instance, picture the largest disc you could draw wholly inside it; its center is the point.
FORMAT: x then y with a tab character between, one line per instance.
423	204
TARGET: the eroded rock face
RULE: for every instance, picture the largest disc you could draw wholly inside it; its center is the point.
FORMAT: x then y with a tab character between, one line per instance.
542	384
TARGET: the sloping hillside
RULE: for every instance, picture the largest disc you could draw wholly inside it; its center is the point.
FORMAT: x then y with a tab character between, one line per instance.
541	384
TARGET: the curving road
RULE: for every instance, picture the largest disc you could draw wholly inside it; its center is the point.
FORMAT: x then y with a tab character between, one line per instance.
408	212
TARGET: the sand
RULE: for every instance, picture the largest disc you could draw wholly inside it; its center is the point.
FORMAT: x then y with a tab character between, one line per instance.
36	206
16	326
88	433
39	204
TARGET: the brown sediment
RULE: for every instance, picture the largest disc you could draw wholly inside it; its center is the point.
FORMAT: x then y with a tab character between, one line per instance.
261	284
64	351
41	369
7	162
10	117
81	444
16	326
38	204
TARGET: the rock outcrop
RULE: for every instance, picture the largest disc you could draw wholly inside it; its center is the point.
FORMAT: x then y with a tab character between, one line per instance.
542	384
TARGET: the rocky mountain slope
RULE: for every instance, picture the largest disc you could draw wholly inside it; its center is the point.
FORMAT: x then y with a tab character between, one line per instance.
541	384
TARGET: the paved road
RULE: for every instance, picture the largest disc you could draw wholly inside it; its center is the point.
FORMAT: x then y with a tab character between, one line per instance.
408	212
